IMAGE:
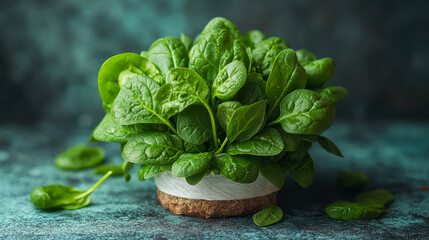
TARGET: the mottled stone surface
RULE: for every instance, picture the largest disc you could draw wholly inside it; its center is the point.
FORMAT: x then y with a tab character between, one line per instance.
394	155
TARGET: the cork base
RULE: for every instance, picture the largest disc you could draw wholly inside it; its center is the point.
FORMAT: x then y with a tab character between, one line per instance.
213	209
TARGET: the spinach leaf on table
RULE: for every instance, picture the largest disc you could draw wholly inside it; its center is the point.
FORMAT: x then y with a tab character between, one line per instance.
79	157
345	210
268	216
65	197
379	197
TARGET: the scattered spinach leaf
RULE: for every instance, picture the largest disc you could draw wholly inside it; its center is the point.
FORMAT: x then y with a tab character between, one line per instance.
79	157
268	216
65	197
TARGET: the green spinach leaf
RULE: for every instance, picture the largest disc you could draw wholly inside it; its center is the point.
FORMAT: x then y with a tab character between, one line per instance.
148	171
153	148
167	53
268	216
332	95
344	210
286	75
304	112
329	146
252	38
379	197
246	121
193	125
266	143
65	197
229	81
303	173
305	56
225	111
273	171
241	169
265	53
190	164
79	157
108	77
319	72
187	41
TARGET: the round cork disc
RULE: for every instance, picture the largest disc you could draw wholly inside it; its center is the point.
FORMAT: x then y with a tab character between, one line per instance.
212	209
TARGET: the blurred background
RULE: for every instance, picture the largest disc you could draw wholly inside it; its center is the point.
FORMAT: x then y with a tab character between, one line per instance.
51	51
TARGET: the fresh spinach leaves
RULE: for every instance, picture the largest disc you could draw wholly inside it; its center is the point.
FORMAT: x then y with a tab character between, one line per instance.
268	216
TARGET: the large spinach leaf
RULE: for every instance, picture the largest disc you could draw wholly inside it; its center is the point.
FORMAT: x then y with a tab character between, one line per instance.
246	121
190	164
225	111
266	143
229	81
167	53
286	75
125	63
153	148
241	169
193	125
304	112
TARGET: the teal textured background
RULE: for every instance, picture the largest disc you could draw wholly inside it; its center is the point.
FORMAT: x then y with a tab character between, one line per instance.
394	156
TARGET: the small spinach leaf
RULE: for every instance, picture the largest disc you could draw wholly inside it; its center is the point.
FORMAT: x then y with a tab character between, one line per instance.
195	179
332	94
187	41
266	143
329	146
379	197
246	121
241	169
252	38
344	210
229	81
268	216
305	56
190	164
79	157
126	167
225	111
65	197
266	52
319	72
167	53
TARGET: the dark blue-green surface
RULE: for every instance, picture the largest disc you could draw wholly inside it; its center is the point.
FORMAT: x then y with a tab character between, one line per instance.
395	155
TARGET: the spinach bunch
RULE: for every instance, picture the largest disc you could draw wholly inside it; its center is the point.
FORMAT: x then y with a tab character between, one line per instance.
227	103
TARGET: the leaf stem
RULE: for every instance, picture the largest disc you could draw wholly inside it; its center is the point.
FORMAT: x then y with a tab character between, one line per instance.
213	125
222	146
169	125
272	123
91	189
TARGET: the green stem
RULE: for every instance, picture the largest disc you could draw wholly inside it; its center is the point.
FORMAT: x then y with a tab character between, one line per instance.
91	189
222	146
169	125
213	124
272	123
